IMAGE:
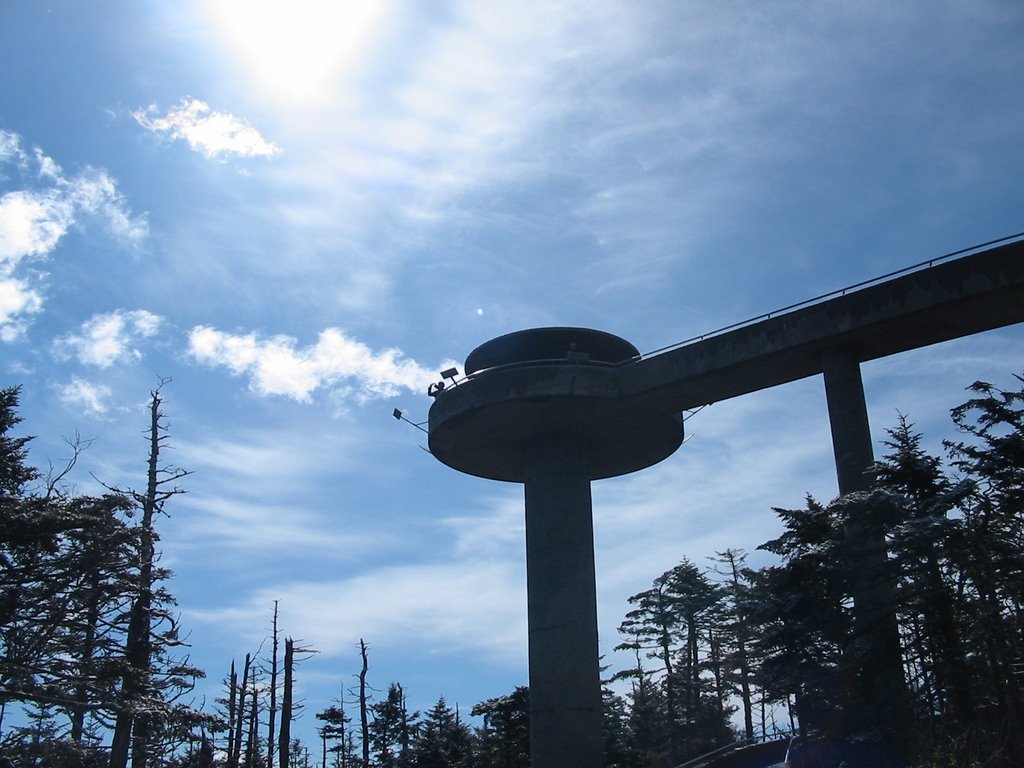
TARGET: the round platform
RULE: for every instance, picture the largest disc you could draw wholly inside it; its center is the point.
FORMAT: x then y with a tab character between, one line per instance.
551	345
529	385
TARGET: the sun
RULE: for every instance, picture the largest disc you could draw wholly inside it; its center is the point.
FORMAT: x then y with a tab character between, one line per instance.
298	51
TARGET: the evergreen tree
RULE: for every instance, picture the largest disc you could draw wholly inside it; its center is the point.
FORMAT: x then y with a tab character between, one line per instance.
72	570
801	611
444	741
615	723
704	718
670	624
63	561
647	729
924	540
736	632
391	730
504	740
991	459
335	733
86	669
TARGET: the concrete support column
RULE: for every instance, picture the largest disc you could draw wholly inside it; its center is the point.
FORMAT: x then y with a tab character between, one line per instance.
565	683
848	415
878	693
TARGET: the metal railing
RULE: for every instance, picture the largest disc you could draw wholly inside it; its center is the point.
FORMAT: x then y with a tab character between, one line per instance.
919	266
735	746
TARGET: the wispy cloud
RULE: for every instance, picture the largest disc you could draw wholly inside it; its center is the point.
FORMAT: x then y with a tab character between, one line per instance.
241	528
478	607
10	147
276	366
109	338
38	213
17	302
214	134
92	397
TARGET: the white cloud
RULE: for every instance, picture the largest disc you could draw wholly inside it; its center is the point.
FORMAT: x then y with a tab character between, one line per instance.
17	300
31	223
37	215
91	396
276	367
215	134
109	338
95	192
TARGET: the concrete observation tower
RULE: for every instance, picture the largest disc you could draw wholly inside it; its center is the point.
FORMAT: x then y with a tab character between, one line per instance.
544	410
555	408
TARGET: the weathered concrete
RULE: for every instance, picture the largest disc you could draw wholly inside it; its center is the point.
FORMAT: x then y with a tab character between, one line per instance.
875	674
565	682
551	346
848	417
959	298
523	388
482	426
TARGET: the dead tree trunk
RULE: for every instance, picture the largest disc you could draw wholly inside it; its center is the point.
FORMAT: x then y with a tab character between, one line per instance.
137	647
272	715
132	728
284	739
254	722
363	721
235	755
232	714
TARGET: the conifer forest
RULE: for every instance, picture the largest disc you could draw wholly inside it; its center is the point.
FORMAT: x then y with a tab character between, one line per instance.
95	669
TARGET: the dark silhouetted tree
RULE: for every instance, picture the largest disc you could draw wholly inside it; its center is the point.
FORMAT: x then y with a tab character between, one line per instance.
444	741
671	624
391	730
504	741
150	680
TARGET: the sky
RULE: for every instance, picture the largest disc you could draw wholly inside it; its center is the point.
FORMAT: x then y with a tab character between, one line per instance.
298	213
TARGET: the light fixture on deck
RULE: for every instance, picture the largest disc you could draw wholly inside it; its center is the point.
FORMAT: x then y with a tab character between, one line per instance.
401	417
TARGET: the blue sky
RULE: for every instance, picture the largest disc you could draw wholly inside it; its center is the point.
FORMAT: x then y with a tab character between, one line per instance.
301	211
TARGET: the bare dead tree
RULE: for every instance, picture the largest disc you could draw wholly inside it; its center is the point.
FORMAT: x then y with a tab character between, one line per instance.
272	715
284	740
254	714
363	721
288	705
235	752
133	723
232	712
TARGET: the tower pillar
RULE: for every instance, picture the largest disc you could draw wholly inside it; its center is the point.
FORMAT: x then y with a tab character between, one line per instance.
878	692
543	407
565	683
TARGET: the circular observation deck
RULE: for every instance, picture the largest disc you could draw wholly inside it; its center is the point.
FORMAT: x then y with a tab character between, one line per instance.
532	385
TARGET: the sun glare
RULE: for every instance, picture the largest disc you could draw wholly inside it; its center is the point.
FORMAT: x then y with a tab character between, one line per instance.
299	50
